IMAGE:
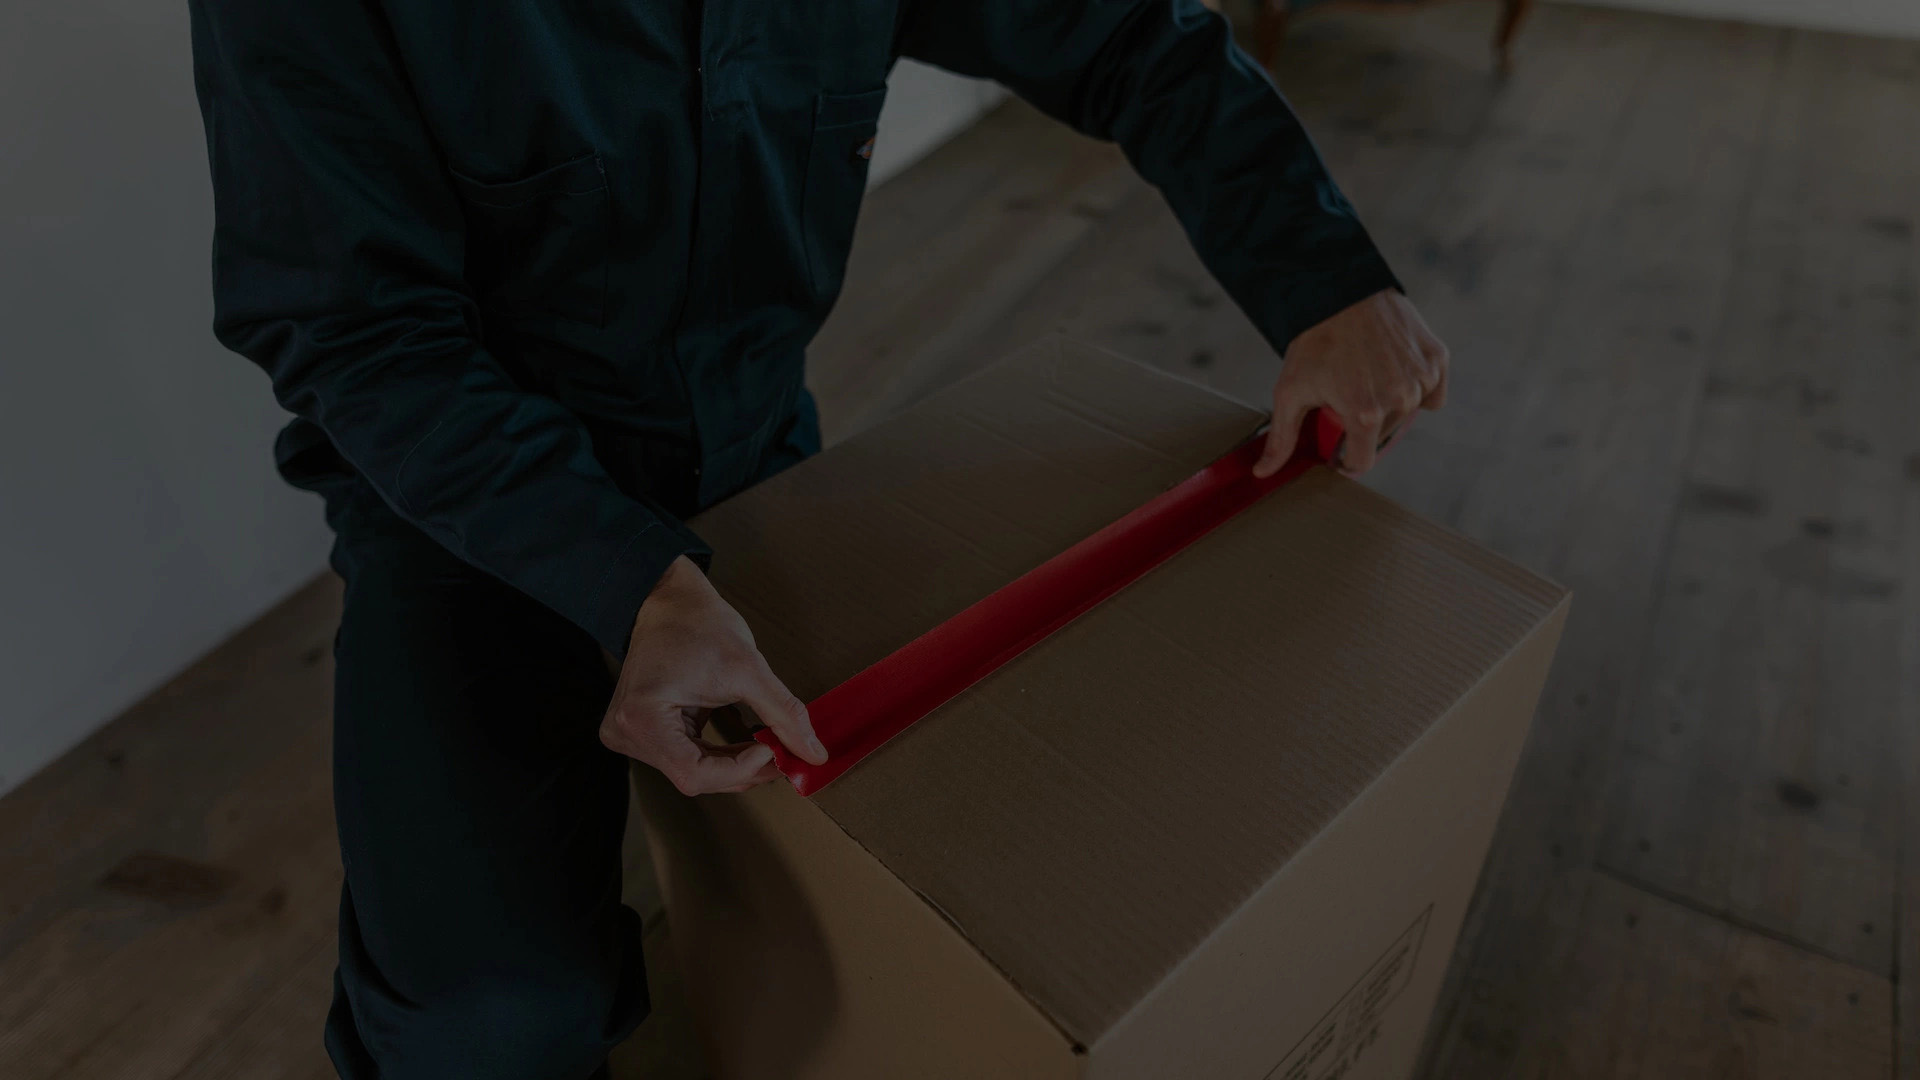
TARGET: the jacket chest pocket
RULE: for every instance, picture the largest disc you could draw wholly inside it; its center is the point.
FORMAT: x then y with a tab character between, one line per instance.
538	247
836	179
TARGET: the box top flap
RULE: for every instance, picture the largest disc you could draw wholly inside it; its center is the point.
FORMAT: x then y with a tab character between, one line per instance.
1089	813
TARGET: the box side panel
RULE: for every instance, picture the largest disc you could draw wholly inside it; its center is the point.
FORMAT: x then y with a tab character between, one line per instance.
805	959
1332	968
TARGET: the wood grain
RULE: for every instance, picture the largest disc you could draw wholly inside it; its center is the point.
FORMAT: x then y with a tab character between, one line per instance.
134	984
1657	989
1906	749
1584	486
1754	777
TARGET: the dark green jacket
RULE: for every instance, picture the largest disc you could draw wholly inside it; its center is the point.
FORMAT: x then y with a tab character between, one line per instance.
542	272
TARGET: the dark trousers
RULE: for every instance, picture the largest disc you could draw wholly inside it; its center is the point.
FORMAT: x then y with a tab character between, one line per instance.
481	929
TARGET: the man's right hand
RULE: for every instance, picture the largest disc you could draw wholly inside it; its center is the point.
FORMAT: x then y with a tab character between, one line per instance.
691	653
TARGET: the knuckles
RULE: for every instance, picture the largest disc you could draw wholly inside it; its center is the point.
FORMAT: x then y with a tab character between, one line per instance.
611	734
733	653
619	720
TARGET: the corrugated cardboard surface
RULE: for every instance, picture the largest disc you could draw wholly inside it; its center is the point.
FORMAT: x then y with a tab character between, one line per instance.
1092	813
1331	969
807	960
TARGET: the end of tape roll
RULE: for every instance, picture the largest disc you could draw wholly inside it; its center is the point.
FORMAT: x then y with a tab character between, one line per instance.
805	776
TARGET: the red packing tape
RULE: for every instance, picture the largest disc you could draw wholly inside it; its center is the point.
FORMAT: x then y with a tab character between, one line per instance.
854	718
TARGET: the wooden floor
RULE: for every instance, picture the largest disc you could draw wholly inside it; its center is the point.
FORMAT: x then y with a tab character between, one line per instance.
1679	265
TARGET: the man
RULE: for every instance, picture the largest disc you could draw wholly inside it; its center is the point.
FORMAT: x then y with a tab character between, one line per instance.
536	280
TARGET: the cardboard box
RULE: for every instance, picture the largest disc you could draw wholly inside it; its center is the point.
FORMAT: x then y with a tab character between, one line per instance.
1225	825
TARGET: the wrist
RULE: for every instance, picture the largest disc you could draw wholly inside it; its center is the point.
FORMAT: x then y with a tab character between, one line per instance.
672	582
674	576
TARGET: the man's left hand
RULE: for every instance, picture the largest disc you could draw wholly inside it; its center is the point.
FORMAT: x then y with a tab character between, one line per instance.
1372	365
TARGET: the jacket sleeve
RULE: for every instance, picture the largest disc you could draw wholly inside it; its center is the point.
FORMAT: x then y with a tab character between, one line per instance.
1198	119
338	268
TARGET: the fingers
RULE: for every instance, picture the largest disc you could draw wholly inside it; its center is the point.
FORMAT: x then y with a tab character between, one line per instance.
693	765
1386	412
1290	408
1428	391
1396	429
1362	444
1439	362
706	770
1362	447
783	713
692	653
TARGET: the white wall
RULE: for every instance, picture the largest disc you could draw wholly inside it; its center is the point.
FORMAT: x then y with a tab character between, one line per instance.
1886	18
926	107
140	518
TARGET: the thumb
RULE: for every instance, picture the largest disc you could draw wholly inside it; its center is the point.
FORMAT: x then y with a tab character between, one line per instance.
1289	412
784	714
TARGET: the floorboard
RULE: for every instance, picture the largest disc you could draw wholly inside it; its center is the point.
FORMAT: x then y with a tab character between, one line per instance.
1906	750
1584	487
1755	776
1662	990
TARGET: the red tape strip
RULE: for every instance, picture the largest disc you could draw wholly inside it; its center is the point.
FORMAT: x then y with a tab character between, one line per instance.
856	717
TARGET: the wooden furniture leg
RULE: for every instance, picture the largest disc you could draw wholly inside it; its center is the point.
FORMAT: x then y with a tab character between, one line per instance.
1512	14
1271	31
